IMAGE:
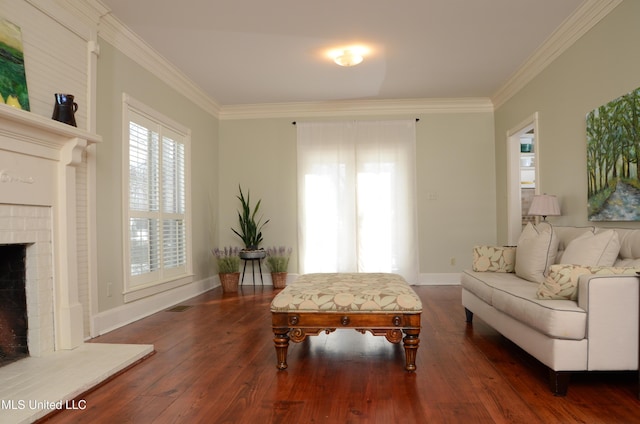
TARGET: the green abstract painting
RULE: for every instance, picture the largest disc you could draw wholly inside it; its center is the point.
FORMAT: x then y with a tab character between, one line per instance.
13	79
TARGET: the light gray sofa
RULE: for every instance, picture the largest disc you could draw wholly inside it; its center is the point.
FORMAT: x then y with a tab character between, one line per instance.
592	326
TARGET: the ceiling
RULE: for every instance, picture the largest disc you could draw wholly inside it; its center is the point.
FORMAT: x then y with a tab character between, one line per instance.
255	51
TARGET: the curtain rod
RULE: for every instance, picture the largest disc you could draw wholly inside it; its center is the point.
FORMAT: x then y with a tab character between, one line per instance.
294	122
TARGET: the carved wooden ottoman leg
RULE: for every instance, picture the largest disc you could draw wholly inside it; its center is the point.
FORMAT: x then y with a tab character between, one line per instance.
411	343
281	341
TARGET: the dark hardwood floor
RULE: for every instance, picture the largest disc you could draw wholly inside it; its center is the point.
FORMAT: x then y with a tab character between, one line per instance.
215	363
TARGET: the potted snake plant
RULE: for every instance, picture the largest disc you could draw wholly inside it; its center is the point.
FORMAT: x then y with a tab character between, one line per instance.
250	227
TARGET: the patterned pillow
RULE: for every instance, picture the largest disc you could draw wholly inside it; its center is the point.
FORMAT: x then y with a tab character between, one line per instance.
494	258
562	281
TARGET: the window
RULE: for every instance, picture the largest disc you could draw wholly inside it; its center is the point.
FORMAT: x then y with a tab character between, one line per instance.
157	204
357	209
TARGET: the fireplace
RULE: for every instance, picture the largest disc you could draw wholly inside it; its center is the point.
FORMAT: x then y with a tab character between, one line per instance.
27	231
44	195
13	303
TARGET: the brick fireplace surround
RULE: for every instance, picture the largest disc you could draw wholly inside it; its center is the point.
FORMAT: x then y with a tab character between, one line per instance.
44	192
39	159
31	225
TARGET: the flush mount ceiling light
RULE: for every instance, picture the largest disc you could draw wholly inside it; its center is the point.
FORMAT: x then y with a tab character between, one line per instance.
348	57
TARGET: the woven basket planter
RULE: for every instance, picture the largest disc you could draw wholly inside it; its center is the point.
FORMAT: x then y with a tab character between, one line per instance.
229	281
279	279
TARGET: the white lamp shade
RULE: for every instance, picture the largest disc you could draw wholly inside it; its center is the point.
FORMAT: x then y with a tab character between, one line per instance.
544	205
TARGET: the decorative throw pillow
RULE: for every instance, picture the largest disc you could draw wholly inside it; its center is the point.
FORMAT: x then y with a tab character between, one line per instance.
562	281
536	251
494	258
600	249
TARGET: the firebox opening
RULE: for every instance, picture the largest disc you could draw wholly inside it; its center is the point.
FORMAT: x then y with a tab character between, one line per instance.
13	303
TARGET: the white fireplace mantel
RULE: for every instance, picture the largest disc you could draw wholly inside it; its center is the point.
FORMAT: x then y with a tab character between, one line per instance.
38	162
32	128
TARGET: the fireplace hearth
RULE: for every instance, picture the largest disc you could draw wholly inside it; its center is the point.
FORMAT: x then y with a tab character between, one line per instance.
13	304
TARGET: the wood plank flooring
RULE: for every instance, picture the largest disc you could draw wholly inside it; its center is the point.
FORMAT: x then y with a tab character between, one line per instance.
215	363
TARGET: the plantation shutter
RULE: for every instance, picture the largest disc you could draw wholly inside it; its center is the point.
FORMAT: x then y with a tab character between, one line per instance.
157	201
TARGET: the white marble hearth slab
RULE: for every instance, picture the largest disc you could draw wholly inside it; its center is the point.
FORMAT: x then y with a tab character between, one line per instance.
34	387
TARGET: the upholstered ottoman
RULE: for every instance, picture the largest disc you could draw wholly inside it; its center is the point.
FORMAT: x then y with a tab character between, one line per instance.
383	304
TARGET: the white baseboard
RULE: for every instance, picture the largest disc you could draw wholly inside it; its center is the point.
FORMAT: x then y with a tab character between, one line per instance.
266	278
111	319
425	279
439	279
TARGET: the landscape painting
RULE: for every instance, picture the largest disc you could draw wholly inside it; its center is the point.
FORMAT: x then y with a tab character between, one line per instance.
613	160
13	79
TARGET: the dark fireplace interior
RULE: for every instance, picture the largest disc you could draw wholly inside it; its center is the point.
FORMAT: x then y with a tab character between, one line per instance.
13	303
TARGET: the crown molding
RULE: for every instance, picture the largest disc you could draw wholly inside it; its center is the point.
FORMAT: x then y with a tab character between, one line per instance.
574	27
112	30
355	108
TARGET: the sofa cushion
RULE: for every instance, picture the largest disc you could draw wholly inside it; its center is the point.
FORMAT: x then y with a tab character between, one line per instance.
562	281
517	298
627	263
562	319
494	258
481	284
591	249
536	251
629	243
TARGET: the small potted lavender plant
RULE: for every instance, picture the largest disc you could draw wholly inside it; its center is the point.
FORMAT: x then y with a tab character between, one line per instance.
278	263
228	261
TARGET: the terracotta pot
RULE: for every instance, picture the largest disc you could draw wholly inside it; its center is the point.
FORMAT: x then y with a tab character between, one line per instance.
229	281
279	279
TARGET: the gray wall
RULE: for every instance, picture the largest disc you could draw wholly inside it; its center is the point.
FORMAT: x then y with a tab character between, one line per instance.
603	65
461	156
118	74
456	196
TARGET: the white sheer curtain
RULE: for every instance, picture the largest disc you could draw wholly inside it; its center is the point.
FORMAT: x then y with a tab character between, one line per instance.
356	197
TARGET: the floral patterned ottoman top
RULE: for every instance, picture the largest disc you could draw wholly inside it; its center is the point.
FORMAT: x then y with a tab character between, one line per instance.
347	292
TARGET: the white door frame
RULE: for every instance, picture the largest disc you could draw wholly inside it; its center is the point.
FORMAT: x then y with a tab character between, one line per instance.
514	197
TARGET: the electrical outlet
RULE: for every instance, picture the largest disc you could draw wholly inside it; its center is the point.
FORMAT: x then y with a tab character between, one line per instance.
109	287
452	261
